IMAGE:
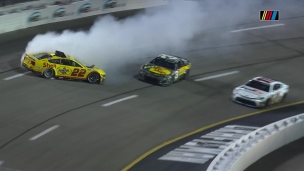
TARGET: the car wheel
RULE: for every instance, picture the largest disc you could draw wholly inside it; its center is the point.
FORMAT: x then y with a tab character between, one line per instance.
268	102
93	78
283	98
48	73
186	74
169	83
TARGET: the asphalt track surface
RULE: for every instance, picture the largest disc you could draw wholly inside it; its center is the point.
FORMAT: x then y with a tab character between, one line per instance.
257	119
88	136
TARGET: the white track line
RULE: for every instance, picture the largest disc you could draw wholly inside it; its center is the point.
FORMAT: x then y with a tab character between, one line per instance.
120	100
216	76
1	162
254	28
44	132
16	76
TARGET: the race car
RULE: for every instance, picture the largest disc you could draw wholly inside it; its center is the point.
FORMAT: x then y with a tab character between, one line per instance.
165	70
58	65
260	92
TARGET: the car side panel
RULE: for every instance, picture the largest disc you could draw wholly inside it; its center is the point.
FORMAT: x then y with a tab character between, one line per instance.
79	73
183	70
41	65
63	71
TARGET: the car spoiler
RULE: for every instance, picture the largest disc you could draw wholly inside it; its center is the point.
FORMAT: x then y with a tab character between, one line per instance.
31	57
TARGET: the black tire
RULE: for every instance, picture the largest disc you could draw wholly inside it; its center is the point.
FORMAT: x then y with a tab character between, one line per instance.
186	74
48	73
283	98
268	101
169	83
93	78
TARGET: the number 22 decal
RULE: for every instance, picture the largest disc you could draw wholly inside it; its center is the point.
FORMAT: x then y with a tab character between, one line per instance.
78	72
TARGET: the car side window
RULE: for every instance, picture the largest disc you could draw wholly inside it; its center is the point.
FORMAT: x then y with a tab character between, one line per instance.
70	63
54	61
276	86
65	62
76	64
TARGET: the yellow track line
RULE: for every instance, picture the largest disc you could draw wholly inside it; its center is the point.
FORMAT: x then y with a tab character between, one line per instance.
202	129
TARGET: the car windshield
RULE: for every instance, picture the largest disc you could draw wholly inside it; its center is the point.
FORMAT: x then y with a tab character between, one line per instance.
80	63
163	63
258	85
87	65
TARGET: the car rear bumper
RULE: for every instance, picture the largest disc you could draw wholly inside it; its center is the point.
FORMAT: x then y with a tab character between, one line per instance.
30	68
26	66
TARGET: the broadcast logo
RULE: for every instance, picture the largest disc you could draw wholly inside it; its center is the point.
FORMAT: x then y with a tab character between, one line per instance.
269	15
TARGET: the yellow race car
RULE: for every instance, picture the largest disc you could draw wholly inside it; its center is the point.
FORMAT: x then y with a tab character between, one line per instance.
165	70
58	65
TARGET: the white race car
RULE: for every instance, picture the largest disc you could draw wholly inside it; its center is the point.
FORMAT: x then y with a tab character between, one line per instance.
260	92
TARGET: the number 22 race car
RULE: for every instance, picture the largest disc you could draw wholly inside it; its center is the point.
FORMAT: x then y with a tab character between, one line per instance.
58	65
260	92
165	70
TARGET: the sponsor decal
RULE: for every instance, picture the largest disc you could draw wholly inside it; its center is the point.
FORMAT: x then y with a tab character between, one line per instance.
64	70
113	4
86	8
159	69
269	15
257	91
206	147
36	16
47	65
61	12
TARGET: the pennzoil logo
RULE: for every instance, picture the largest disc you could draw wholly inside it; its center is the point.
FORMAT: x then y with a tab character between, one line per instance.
36	16
113	4
61	12
159	69
86	8
64	70
269	15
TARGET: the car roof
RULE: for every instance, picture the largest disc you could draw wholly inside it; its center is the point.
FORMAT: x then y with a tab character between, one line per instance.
265	80
170	58
59	57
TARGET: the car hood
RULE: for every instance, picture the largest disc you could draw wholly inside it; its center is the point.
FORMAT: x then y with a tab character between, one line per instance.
250	92
156	69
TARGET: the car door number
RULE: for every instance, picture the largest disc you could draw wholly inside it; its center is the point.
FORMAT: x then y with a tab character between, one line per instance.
78	72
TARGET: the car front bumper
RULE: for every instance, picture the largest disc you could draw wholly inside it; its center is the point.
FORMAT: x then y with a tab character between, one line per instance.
153	78
248	101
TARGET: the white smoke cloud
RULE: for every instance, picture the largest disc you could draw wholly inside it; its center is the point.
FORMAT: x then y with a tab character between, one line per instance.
114	45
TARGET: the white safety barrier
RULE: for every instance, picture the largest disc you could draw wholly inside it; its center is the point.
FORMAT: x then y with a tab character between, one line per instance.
74	10
253	146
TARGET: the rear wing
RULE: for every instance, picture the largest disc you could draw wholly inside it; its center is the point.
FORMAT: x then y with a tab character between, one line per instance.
30	57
